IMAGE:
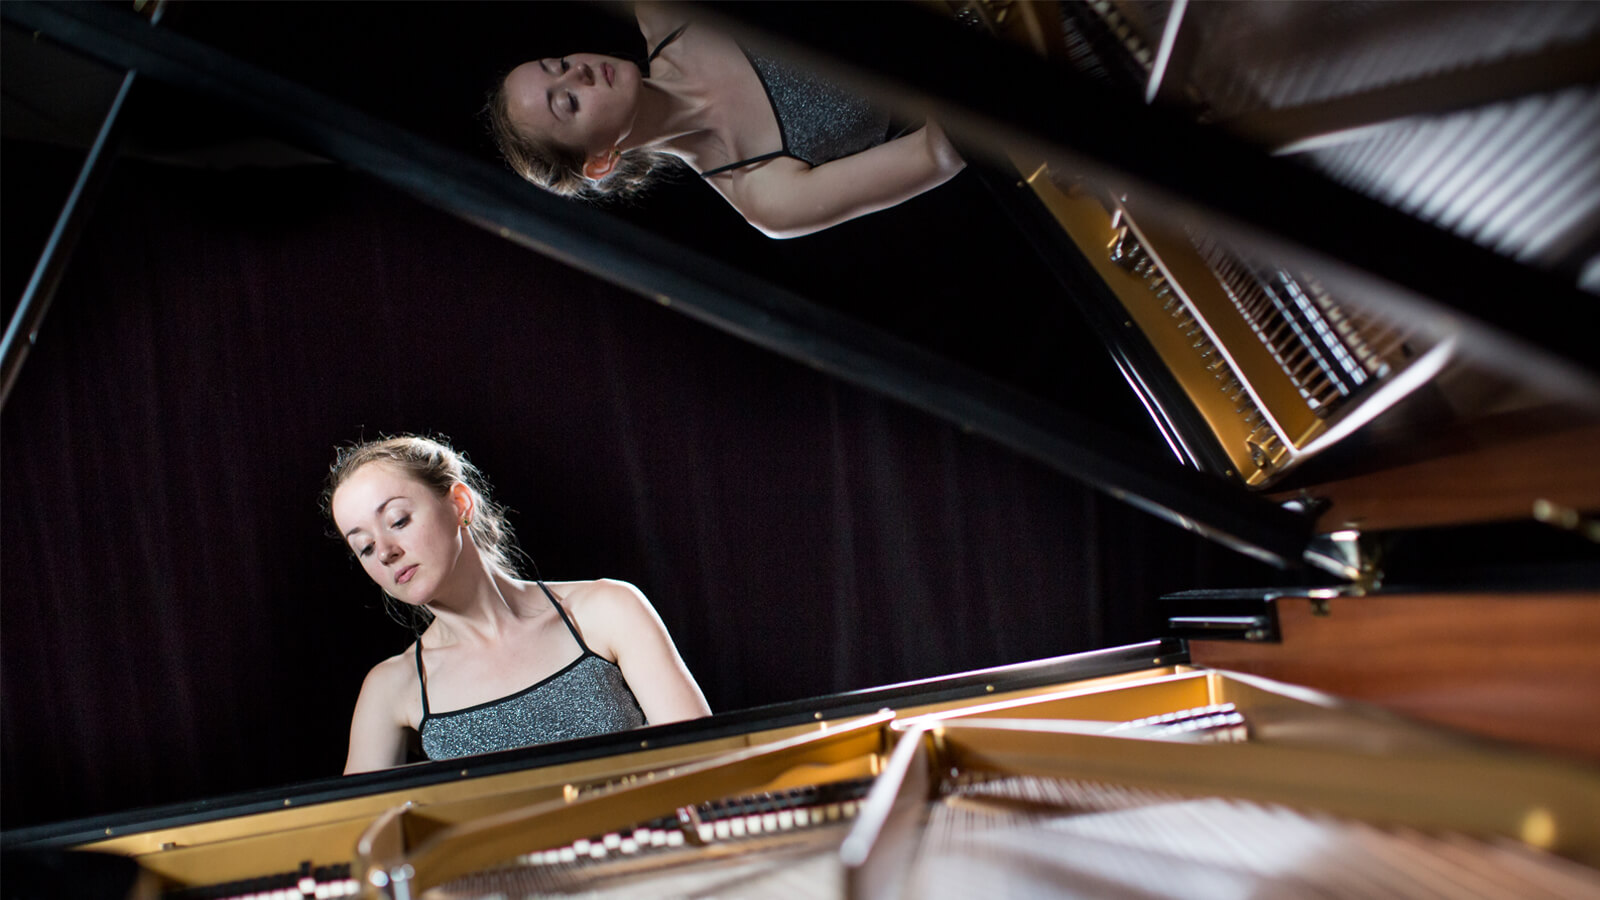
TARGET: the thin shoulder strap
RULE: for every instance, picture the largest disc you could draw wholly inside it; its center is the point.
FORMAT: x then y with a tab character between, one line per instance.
664	42
422	679
742	163
564	617
783	134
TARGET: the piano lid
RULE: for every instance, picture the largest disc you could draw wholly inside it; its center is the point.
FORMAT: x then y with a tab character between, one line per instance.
1441	283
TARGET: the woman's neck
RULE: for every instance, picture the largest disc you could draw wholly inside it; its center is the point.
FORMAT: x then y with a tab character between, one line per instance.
481	611
671	112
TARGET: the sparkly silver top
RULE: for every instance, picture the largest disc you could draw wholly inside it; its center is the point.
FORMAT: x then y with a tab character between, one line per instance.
586	698
819	120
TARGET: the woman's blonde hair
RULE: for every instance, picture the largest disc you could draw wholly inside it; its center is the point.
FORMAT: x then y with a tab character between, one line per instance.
559	169
438	467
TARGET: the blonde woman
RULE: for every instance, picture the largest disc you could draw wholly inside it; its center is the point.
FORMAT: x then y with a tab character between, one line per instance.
503	662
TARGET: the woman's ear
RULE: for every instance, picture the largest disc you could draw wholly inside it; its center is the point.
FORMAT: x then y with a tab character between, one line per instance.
601	164
464	502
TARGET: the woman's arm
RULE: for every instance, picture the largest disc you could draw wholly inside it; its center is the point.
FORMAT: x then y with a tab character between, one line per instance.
377	729
619	623
785	198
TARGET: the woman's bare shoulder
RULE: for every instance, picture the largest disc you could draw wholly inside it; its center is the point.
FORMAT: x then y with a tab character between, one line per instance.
392	677
657	20
598	592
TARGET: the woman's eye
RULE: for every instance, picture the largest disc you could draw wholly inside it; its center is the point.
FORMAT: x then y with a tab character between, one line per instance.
572	101
365	551
565	65
401	522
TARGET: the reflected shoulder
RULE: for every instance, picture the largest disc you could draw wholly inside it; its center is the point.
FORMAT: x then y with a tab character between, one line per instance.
657	20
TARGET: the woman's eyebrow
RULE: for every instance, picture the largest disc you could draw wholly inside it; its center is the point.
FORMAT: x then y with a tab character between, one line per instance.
379	511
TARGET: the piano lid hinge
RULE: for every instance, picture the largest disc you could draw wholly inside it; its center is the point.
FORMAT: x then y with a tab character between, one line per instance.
1345	554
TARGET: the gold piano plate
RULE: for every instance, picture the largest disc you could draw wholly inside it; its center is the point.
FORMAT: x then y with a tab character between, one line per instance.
854	804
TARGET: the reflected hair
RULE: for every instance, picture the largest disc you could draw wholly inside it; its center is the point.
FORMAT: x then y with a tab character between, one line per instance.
438	467
559	169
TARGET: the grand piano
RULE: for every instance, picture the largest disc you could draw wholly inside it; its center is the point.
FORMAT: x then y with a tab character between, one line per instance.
1352	359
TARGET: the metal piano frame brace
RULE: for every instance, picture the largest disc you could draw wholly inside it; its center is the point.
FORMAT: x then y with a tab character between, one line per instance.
23	330
707	289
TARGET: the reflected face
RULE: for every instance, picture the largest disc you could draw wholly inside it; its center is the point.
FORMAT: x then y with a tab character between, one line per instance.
407	538
585	100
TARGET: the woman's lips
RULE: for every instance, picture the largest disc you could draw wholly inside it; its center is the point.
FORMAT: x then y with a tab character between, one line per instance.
404	575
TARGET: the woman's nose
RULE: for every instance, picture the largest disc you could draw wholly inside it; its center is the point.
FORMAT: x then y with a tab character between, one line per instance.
389	553
583	73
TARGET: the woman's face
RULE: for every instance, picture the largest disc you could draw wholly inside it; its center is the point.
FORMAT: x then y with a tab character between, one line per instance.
407	538
585	100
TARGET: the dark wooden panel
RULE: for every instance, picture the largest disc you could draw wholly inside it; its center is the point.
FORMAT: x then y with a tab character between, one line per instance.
1497	481
1522	668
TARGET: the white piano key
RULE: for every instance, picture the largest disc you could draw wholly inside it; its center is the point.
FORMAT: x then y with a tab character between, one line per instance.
581	846
785	819
676	838
736	826
769	821
612	841
723	830
569	855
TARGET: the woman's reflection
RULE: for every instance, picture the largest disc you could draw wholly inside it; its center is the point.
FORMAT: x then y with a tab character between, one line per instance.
793	153
502	662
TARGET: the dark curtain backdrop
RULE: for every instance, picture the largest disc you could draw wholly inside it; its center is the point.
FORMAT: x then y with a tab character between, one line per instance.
177	621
